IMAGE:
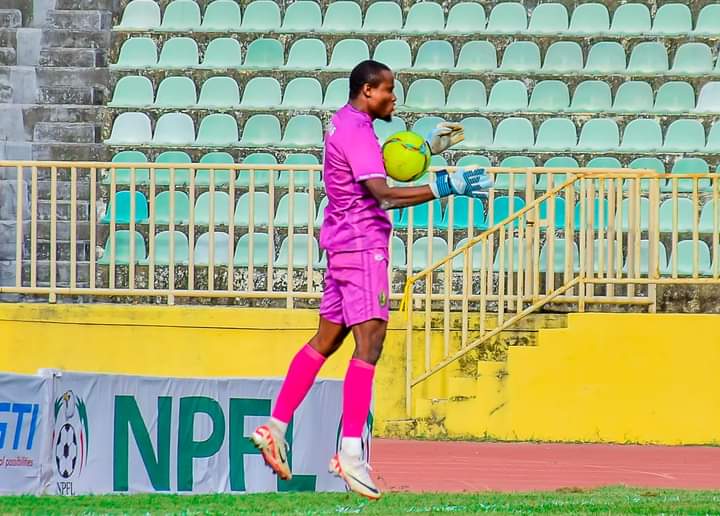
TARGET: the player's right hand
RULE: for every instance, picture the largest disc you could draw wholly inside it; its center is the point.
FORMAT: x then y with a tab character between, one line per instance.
471	183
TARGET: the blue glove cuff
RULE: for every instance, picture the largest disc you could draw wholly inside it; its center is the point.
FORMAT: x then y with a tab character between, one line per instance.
442	181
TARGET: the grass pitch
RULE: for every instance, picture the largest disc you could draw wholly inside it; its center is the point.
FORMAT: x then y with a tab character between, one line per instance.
612	500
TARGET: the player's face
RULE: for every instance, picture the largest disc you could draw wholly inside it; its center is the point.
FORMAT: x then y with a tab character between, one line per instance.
381	101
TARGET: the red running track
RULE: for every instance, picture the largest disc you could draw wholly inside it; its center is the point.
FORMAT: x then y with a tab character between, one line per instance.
453	466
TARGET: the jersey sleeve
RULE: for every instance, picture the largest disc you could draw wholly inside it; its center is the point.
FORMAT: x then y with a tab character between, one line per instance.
364	155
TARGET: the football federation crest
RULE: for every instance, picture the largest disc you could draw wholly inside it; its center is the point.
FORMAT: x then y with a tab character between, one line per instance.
70	435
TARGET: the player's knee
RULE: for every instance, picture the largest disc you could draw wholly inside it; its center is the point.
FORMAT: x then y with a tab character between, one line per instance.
324	346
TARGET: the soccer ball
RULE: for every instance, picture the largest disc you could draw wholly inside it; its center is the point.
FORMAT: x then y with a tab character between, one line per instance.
66	451
406	156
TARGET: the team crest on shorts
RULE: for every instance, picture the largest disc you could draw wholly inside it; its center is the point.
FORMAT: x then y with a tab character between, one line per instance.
382	298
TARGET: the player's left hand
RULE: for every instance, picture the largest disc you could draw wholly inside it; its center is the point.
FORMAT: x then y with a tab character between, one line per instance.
471	183
444	136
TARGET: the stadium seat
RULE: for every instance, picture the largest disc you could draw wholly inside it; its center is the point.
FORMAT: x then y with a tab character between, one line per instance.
122	208
221	177
181	16
478	133
507	262
503	181
649	57
336	93
688	165
299	259
181	208
425	252
383	16
599	134
174	129
261	93
598	213
477	56
461	214
710	211
384	129
641	135
130	128
395	53
261	130
307	54
692	59
435	55
137	53
708	20
178	53
132	91
262	177
557	177
606	57
176	92
219	92
261	16
220	243
604	162
260	253
398	255
508	95
301	178
549	96
122	175
556	134
425	124
589	18
592	97
221	16
643	215
220	208
348	53
672	19
709	98
510	17
650	163
425	17
303	210
633	97
261	210
421	215
181	249
684	253
303	130
474	161
631	19
563	57
181	175
713	139
321	211
520	56
302	16
644	259
217	129
675	97
342	16
558	219
504	206
264	53
550	18
425	95
466	95
465	18
303	93
685	215
140	15
226	53
514	134
122	248
684	135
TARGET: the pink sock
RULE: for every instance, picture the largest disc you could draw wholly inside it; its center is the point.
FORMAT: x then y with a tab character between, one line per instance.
357	393
300	377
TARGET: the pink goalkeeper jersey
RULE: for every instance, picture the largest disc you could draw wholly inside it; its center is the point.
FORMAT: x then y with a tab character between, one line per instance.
353	218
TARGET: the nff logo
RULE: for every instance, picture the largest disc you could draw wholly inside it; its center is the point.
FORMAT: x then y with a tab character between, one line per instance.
18	422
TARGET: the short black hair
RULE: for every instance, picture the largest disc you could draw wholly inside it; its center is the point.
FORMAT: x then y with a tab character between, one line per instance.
366	72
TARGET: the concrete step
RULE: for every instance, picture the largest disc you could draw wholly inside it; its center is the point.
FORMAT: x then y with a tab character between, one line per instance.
79	20
34	113
73	57
85	5
70	152
70	38
68	95
8	37
81	132
8	56
63	212
6	91
62	275
10	18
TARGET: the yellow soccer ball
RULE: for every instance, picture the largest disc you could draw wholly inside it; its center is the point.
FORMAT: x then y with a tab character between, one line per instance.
406	155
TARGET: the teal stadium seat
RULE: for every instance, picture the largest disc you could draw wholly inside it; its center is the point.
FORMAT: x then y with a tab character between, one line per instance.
477	56
262	177
589	18
435	55
550	18
179	53
176	92
302	16
421	215
219	92
466	95
130	129
426	95
556	134
224	53
395	53
336	93
221	177
642	135
688	165
649	57
557	177
508	96
122	175
675	97
181	249
425	252
520	56
560	206
220	209
425	17
643	214
260	210
221	16
384	129
650	163
606	57
264	53
684	253
478	133
398	255
261	250
514	134
122	248
708	21
181	175
503	181
261	16
549	96
307	54
631	19
181	16
709	98
181	209
473	161
504	206
465	18
425	124
713	139
303	130
461	214
261	93
174	129
320	217
606	162
672	19
220	243
261	130
303	93
303	210
348	53
684	135
122	208
217	130
563	57
710	213
300	245
140	15
509	261
137	53
685	215
383	17
132	91
301	178
633	97
592	97
342	16
644	259
508	18
599	134
599	214
692	59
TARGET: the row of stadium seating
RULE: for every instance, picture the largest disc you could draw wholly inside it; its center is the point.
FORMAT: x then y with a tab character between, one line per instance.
562	57
509	95
423	17
512	133
438	247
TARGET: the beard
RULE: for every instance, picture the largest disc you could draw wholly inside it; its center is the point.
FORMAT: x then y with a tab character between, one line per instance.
387	118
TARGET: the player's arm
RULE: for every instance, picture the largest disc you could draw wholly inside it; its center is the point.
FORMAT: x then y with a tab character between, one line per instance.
391	197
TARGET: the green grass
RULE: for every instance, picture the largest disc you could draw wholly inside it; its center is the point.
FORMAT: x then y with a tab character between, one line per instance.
611	500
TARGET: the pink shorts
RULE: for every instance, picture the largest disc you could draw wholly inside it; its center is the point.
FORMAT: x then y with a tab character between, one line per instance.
356	287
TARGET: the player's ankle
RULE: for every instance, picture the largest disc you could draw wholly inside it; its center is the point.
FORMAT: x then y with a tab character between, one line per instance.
277	425
351	446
